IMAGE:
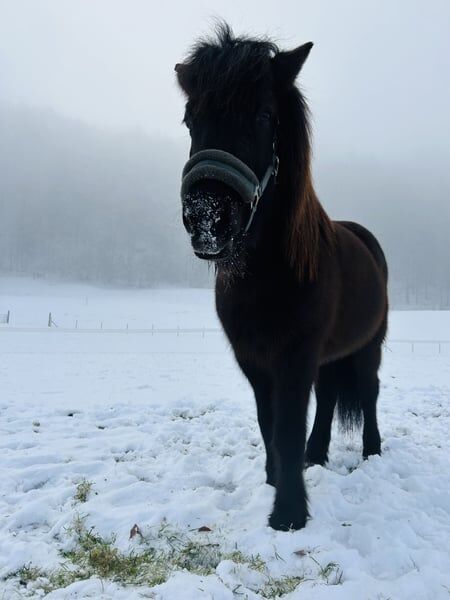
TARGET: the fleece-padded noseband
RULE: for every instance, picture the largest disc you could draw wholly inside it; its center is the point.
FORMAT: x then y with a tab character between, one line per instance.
230	170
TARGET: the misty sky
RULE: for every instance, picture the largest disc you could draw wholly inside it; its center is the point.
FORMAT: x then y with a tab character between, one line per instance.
377	78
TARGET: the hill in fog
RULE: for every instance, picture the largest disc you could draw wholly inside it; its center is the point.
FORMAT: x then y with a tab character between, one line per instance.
81	203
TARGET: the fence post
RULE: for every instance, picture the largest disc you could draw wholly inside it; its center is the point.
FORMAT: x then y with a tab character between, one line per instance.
76	324
8	316
49	319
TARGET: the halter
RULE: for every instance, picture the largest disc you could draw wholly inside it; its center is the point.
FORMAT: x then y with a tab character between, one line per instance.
227	168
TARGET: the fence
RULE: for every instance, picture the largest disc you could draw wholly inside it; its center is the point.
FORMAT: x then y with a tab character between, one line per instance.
5	318
439	346
436	345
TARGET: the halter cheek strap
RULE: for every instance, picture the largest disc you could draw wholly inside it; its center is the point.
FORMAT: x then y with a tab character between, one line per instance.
271	170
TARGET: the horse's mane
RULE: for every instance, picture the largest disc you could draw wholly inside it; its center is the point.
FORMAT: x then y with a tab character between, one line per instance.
224	70
307	222
231	71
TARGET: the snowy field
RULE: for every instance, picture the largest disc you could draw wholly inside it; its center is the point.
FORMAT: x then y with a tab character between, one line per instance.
104	430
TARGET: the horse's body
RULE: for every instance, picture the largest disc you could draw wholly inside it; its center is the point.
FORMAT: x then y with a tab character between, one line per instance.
343	309
302	299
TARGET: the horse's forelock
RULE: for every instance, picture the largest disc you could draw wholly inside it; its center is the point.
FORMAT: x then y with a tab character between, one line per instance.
224	69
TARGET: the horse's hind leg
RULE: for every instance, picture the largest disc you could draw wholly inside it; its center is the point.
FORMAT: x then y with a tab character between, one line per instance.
326	396
366	364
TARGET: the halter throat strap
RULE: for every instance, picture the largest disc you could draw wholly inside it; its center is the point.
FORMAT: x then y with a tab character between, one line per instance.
271	170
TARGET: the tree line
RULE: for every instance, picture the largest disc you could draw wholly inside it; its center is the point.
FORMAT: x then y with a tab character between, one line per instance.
81	203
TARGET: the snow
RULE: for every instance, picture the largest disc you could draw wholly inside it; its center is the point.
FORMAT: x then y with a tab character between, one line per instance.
164	426
204	209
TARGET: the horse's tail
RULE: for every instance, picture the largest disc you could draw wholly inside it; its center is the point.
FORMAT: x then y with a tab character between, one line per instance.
349	409
355	373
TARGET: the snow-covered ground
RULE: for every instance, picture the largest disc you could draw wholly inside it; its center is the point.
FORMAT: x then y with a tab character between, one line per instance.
164	427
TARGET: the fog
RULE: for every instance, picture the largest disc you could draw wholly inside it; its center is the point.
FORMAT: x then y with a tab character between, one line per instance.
91	145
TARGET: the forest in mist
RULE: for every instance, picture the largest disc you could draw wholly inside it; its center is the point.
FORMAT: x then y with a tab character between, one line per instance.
81	203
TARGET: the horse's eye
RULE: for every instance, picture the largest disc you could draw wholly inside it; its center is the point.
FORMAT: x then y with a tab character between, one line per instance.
264	116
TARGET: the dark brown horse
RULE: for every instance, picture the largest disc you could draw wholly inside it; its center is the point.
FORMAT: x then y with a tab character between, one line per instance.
301	298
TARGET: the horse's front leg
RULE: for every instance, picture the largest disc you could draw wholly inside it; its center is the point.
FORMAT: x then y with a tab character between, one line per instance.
294	377
261	382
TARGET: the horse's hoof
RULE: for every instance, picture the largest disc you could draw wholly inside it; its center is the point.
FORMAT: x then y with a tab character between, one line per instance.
286	520
311	460
368	453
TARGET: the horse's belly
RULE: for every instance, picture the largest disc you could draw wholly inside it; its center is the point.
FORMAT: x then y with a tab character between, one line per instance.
356	324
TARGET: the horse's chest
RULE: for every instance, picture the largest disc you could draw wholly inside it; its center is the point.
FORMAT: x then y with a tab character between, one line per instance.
254	322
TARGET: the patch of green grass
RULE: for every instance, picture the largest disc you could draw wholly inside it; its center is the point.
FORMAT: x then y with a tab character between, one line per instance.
166	551
94	555
161	554
28	573
274	588
331	573
254	561
82	492
155	558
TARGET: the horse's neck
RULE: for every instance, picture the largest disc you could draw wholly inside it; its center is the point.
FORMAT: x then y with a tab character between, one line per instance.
291	234
264	250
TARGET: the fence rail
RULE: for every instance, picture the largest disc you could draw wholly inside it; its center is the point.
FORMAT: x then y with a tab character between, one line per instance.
438	343
53	327
126	330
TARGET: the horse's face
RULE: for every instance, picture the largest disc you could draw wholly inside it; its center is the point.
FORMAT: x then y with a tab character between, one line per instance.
214	214
233	94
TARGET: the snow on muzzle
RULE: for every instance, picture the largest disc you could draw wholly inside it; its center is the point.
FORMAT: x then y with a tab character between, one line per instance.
213	182
208	218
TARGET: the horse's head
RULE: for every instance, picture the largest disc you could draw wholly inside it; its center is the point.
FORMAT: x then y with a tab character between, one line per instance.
234	89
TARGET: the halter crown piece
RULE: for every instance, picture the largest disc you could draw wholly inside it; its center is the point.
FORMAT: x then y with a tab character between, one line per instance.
227	168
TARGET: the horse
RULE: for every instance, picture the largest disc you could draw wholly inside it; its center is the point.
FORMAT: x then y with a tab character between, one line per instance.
302	299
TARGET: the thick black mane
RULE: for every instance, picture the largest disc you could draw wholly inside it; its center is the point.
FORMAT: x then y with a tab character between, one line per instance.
226	71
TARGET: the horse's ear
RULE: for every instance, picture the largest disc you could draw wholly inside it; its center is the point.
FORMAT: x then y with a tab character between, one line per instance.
287	65
184	77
